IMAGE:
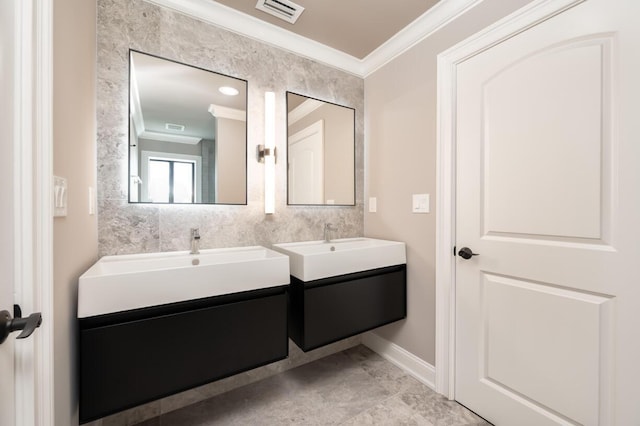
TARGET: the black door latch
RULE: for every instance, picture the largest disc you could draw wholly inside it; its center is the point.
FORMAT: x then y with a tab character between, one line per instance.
28	325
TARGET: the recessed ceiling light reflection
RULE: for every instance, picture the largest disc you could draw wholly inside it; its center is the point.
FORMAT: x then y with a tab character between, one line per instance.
229	91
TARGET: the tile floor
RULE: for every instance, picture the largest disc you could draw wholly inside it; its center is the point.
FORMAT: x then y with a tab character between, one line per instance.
353	387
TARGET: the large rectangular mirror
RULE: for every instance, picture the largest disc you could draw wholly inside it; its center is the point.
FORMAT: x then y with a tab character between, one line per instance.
320	152
187	134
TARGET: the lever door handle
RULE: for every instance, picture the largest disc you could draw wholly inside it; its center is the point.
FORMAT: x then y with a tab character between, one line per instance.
466	253
26	325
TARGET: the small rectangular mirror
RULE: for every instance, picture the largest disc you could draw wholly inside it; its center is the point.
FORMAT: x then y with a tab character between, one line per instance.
320	152
187	134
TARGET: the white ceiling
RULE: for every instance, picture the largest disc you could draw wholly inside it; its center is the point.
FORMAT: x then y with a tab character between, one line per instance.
170	92
322	47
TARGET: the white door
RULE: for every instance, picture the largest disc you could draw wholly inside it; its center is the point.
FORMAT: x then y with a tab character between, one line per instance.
25	229
306	165
548	195
7	64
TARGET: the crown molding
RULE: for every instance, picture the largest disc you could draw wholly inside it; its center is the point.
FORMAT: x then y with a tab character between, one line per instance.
219	111
304	109
169	137
230	19
135	107
424	26
254	28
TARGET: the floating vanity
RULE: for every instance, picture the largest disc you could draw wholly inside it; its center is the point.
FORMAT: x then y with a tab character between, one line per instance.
155	324
343	287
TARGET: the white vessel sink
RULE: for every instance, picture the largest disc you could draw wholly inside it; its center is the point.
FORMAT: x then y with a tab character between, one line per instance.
121	283
313	260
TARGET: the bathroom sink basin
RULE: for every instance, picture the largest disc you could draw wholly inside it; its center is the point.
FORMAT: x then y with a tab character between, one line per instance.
313	260
125	282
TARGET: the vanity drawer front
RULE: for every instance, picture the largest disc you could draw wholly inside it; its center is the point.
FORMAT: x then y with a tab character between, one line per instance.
339	310
127	364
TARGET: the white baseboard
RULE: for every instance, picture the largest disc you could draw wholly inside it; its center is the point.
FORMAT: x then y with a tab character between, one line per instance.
404	359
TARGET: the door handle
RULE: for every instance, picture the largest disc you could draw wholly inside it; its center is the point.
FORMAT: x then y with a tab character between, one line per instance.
466	253
27	325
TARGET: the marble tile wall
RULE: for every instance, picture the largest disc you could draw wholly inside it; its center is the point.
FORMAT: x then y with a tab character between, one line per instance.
129	228
135	228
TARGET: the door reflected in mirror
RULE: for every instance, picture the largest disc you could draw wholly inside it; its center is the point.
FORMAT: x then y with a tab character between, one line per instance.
187	134
320	152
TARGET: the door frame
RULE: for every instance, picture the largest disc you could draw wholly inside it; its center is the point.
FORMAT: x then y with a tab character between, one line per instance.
448	61
33	209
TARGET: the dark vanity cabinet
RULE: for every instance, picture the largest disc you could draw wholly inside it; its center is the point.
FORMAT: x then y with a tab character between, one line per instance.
329	309
134	357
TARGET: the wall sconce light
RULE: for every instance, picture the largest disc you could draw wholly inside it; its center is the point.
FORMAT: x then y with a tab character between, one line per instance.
267	152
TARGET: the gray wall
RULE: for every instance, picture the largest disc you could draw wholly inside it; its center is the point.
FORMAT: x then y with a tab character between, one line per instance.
75	239
401	161
338	150
231	179
128	228
175	148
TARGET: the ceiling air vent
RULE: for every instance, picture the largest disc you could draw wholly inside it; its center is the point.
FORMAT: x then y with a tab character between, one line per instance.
283	9
176	127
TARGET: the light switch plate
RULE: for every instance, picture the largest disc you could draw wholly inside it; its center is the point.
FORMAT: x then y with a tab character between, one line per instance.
373	204
59	196
420	203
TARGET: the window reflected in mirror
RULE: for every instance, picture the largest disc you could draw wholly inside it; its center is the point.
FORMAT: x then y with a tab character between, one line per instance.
320	152
171	181
187	134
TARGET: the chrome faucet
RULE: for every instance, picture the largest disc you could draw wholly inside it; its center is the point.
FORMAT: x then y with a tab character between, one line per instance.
195	241
327	229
